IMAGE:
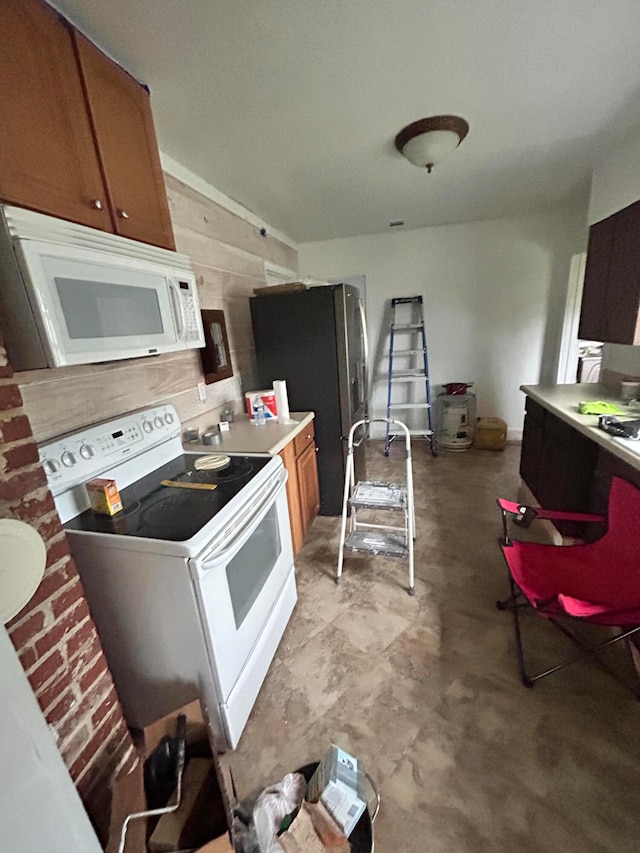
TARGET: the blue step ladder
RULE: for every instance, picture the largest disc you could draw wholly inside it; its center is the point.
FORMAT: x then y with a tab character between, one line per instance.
407	321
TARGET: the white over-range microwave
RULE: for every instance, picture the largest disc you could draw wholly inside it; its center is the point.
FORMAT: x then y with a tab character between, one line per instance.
75	295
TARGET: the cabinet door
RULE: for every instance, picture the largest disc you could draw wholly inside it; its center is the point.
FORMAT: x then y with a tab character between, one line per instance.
531	453
125	137
567	468
596	278
623	290
308	487
49	161
288	457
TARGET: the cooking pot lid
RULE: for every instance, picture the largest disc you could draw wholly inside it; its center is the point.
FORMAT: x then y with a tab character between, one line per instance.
24	557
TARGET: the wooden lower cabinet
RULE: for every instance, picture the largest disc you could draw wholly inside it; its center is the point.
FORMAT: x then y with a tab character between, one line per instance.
566	470
558	464
303	493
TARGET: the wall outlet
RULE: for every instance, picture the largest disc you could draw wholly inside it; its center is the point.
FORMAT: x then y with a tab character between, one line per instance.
202	392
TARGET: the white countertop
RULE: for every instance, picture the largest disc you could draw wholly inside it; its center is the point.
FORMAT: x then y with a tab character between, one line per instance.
563	400
244	437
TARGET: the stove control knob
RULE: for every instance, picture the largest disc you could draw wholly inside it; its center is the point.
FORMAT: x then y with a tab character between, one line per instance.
69	459
51	466
87	451
168	418
147	426
158	422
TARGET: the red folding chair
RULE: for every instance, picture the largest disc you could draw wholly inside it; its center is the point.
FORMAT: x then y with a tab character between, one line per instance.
598	582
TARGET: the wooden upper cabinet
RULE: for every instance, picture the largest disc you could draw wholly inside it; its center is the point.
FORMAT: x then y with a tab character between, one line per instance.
623	292
48	160
120	114
596	277
611	297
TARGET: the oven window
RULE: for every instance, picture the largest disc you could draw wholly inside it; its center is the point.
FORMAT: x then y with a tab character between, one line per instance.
248	571
101	310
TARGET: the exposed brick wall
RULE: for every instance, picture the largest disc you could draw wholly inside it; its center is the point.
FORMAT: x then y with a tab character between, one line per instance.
54	634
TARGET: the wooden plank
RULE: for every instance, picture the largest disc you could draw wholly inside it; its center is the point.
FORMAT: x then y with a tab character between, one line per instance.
67	402
204	249
192	210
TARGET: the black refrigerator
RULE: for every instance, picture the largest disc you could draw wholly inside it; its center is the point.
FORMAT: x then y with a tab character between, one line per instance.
316	340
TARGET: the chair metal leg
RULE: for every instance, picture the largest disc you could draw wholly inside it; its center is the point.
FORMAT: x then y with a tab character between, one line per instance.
510	601
511	604
524	677
590	651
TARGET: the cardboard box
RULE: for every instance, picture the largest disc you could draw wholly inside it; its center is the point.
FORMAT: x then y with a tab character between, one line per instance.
491	434
339	783
220	845
210	807
104	496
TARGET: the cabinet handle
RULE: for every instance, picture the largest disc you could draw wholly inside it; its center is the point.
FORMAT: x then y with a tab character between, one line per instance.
97	204
122	213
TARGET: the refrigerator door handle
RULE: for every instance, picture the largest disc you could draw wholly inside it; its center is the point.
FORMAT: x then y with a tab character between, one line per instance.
365	347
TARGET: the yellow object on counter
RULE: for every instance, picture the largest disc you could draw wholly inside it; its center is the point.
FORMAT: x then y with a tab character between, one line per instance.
104	496
598	407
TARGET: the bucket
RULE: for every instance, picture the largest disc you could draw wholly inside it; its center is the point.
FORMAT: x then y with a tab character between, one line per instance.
491	434
455	420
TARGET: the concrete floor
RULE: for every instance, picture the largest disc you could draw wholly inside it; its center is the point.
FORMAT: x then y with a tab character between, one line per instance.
425	690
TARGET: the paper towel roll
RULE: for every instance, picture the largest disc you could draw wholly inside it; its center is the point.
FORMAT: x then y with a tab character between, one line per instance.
282	402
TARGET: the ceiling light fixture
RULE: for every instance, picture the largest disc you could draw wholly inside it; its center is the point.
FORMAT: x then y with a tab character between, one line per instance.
428	141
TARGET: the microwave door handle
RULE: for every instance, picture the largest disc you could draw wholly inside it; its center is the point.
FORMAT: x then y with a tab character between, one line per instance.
214	557
177	308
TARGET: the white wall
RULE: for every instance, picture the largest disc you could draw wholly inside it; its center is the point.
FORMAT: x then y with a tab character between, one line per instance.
619	358
494	295
615	183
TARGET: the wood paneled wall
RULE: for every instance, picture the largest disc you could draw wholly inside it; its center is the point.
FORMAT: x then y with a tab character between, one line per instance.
228	256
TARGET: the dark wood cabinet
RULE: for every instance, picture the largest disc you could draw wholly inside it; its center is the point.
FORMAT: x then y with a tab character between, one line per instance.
77	138
47	154
611	296
558	465
532	437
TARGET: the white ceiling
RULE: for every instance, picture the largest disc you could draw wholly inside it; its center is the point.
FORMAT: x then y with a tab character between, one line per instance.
291	107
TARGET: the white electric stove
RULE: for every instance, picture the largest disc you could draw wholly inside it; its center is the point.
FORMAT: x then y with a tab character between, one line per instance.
191	584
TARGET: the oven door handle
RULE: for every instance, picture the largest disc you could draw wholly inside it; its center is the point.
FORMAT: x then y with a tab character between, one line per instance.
214	556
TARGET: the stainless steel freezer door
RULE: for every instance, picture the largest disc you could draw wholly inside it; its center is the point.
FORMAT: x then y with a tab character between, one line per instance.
351	349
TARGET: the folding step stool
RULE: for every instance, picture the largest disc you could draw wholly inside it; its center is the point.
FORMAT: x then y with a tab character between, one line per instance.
382	539
411	312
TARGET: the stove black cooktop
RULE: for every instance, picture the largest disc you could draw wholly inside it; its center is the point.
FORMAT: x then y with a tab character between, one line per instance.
155	511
